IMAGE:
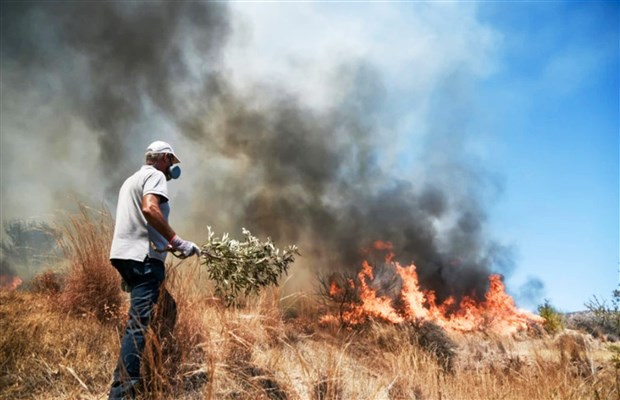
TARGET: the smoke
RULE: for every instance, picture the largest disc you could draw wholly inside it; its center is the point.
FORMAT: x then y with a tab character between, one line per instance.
531	292
322	160
81	82
26	247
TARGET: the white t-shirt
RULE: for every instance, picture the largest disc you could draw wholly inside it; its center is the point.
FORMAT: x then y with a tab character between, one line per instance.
132	233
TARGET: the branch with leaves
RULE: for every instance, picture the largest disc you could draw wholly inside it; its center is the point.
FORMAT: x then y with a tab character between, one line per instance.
244	267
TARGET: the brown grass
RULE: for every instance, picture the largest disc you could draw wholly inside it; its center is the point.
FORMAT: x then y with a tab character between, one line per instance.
45	354
218	353
48	282
271	348
92	285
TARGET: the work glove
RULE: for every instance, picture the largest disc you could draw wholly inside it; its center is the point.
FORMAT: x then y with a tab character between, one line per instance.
186	248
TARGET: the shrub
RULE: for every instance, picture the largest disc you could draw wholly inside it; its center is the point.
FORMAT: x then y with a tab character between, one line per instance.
434	340
244	267
48	282
339	292
607	317
553	319
92	284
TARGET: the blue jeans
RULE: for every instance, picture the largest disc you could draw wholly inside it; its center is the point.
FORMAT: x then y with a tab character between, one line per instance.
144	281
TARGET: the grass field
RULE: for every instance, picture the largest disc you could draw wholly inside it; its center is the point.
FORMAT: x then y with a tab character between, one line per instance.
59	339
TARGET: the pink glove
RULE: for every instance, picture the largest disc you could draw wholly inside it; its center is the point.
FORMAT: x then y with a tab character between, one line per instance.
185	247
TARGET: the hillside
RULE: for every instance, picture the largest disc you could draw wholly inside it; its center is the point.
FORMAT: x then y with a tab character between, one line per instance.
60	333
265	350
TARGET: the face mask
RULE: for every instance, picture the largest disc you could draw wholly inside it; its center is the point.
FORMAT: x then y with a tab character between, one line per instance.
174	172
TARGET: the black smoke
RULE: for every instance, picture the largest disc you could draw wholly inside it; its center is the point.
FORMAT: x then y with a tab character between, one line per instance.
110	63
268	161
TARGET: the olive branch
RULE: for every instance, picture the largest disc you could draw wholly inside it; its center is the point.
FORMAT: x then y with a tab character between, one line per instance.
244	267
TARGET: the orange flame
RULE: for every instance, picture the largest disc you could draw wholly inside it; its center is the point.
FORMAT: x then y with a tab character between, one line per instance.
334	289
497	312
374	305
380	245
9	282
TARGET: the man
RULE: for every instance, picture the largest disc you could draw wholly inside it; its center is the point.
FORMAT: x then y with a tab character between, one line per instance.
141	230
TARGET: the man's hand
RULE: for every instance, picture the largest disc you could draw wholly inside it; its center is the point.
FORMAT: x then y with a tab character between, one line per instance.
185	247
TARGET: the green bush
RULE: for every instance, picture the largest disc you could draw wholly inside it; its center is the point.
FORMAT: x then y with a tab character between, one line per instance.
553	319
244	267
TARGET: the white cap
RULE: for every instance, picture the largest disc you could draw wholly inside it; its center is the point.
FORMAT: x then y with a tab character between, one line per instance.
159	147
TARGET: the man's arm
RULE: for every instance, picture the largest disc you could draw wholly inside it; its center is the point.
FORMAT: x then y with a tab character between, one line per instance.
154	216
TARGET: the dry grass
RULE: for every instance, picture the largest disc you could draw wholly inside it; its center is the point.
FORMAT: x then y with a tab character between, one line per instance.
271	348
253	353
92	285
48	282
47	354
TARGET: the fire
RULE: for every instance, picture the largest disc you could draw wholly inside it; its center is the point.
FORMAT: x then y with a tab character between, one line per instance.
334	290
497	312
9	282
375	306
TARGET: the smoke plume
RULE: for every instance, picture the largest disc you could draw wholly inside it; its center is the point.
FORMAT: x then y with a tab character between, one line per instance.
87	87
531	293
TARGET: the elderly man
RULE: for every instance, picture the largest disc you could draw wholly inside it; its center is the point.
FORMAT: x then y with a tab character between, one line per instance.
141	230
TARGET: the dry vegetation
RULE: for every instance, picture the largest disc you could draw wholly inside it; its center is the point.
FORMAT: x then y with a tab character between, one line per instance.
60	338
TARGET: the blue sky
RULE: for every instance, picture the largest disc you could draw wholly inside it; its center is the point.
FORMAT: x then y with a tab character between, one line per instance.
554	105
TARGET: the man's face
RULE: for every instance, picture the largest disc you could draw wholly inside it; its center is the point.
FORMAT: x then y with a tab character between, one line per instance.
164	163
